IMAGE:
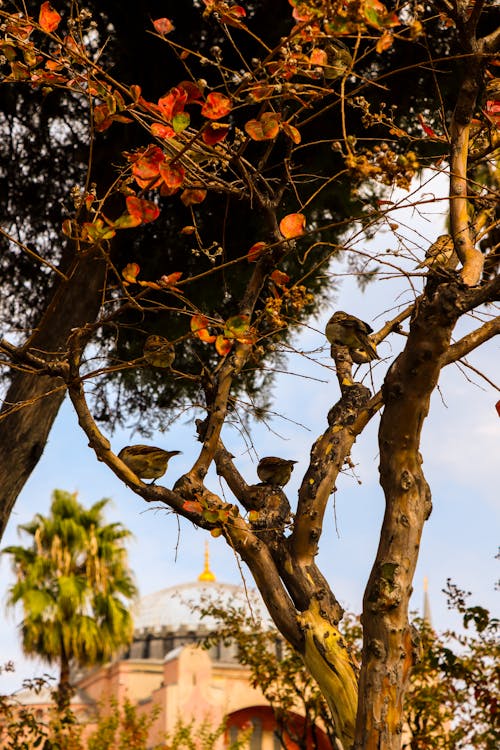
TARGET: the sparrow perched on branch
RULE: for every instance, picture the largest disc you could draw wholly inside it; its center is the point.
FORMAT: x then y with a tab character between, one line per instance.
346	330
440	254
275	471
146	461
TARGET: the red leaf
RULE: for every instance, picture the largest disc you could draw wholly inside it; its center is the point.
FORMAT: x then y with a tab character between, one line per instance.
280	278
173	102
426	128
172	174
146	211
256	251
214	133
292	225
193	195
49	19
163	25
216	106
497	407
192	90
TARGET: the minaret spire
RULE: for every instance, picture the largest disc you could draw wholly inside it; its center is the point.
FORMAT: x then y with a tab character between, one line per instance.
427	605
207	574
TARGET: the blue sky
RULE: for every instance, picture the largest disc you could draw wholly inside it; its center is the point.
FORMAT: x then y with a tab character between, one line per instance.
460	448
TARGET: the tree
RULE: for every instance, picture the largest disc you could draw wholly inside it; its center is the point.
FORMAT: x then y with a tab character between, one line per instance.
256	134
73	584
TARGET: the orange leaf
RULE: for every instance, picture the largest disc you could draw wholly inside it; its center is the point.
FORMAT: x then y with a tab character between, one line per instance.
171	279
265	128
192	506
292	225
280	278
146	167
193	91
318	57
292	132
256	251
163	25
497	407
216	106
146	211
223	345
162	131
131	272
385	42
49	19
172	174
192	196
188	230
199	326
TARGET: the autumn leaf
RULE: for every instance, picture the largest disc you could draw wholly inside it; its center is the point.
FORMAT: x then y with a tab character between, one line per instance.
265	128
237	327
145	167
192	506
384	42
377	15
192	196
292	132
131	272
426	128
497	407
172	174
215	533
96	231
223	345
292	225
181	121
146	211
214	133
280	278
256	251
49	19
199	326
162	131
216	106
170	279
163	26
173	102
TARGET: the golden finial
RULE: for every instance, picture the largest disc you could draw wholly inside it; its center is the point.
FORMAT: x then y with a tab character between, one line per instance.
207	574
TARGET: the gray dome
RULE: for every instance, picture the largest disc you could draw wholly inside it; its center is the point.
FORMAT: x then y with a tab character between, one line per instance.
171	608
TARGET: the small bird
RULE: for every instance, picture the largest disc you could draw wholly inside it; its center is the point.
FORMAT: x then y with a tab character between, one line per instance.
158	351
275	471
441	254
346	330
146	461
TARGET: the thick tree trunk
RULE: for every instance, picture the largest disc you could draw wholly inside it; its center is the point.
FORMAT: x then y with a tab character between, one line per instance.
32	401
388	651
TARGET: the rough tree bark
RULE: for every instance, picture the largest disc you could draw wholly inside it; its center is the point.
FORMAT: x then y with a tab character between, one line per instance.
33	399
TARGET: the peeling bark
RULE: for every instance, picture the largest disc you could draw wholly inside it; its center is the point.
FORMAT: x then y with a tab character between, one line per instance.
387	646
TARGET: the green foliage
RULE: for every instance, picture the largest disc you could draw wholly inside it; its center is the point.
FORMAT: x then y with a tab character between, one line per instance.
454	698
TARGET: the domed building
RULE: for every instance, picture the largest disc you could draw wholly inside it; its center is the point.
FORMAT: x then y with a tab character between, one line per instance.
165	672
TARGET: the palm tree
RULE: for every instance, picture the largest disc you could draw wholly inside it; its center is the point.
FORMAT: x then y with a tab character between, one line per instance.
73	583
